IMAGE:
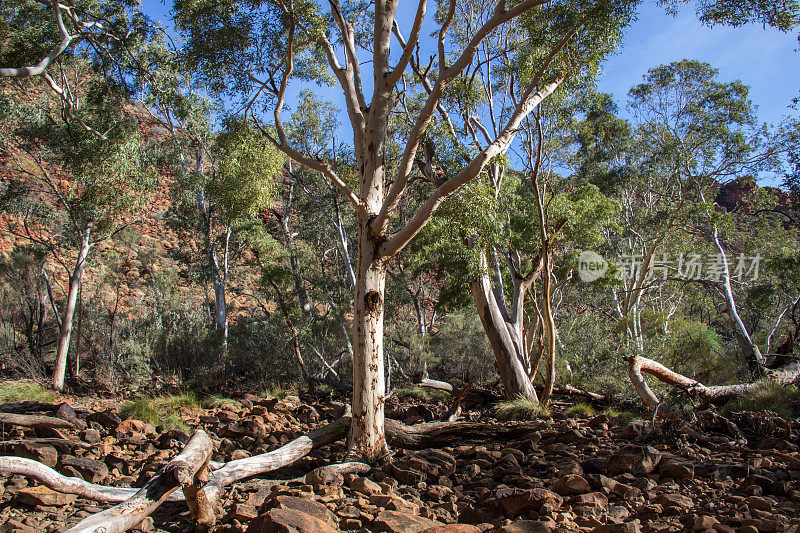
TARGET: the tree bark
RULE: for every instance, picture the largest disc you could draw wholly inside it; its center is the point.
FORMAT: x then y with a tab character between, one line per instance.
508	359
69	310
717	394
367	441
180	471
221	309
752	353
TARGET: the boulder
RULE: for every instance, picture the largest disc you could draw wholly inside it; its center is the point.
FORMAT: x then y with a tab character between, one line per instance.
636	460
453	528
304	505
89	469
365	486
45	454
288	521
526	526
43	496
108	419
570	485
397	522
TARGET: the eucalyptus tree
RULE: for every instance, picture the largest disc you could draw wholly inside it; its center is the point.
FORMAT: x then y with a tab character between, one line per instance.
240	186
256	51
87	54
700	134
72	187
493	237
278	43
40	37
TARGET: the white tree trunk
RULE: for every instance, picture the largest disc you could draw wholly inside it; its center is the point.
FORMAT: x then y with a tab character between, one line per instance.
221	308
367	440
508	360
69	310
752	353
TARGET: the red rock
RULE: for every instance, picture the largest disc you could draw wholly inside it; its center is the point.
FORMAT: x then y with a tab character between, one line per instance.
674	501
526	526
304	505
47	455
288	521
365	486
393	502
571	484
43	496
395	522
529	500
453	528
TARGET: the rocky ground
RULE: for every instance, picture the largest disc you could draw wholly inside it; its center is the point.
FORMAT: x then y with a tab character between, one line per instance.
691	473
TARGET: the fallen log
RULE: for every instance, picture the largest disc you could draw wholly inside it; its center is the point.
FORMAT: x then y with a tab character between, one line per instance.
454	410
239	469
10	465
180	471
220	474
200	507
28	407
434	384
321	473
717	394
435	434
574	391
66	443
187	469
35	421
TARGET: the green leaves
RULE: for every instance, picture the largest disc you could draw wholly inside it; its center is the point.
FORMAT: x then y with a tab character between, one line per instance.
781	14
244	181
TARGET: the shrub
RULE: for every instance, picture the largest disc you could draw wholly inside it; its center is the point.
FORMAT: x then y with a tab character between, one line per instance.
768	395
22	391
163	411
580	410
278	389
422	394
521	409
213	401
622	416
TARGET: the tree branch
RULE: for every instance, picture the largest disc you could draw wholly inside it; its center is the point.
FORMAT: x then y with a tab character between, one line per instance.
530	101
446	75
39	68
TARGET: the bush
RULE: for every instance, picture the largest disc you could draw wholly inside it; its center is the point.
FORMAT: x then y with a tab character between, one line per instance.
422	394
580	410
163	411
278	389
768	395
22	391
521	409
213	401
623	417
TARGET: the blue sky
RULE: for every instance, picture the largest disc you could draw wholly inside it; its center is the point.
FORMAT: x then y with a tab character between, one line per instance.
765	60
